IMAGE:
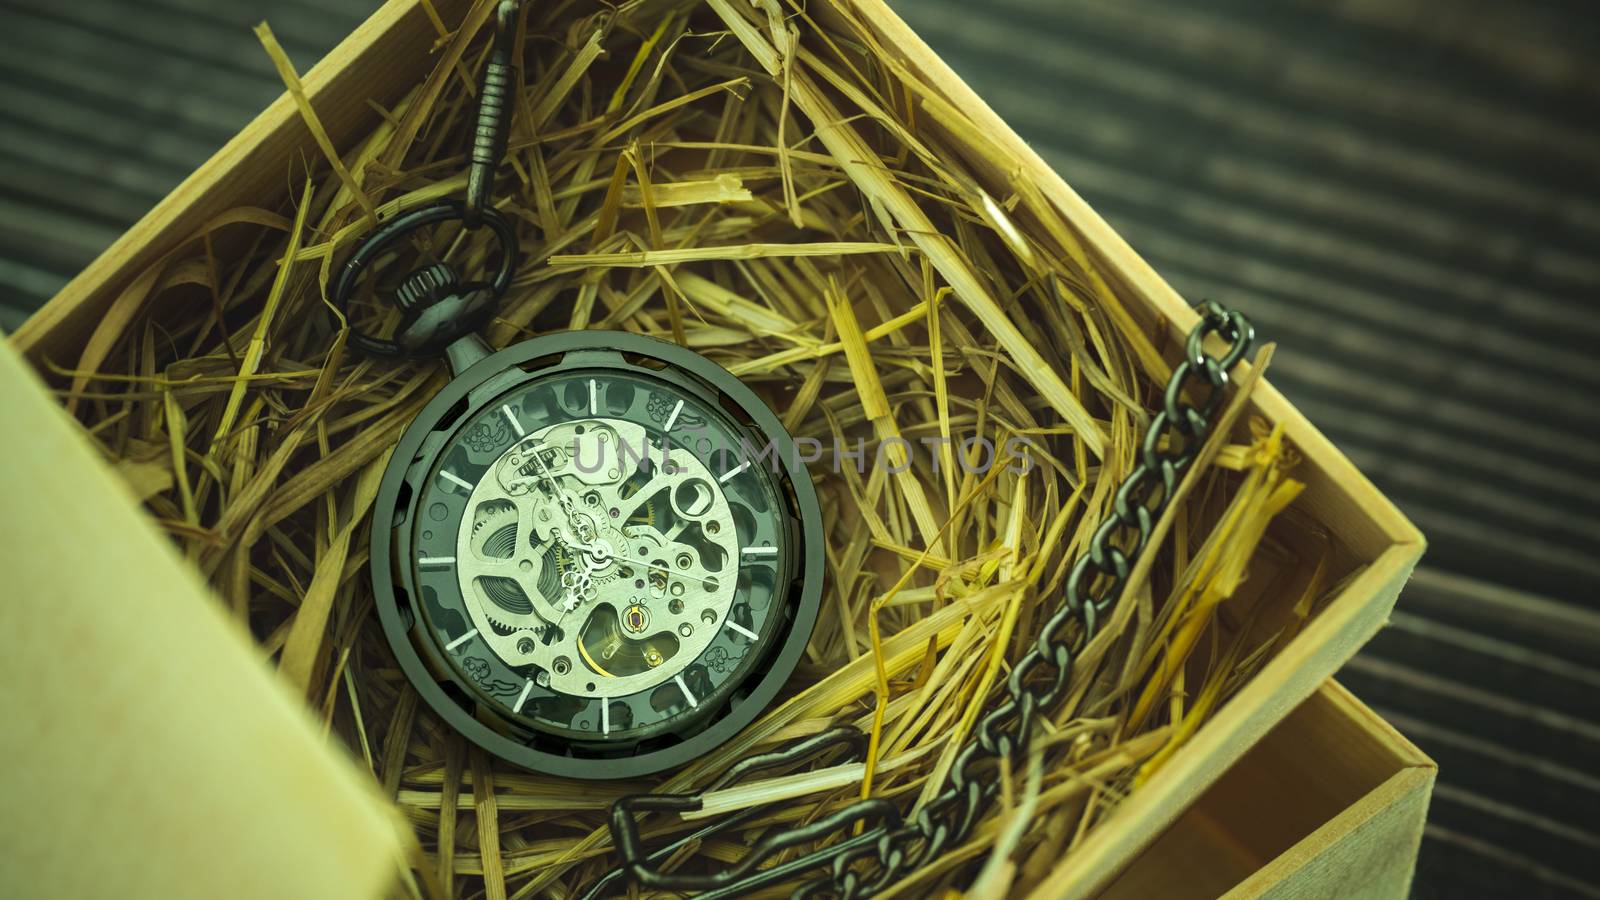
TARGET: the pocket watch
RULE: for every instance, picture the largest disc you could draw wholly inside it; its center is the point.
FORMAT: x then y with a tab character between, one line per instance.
595	554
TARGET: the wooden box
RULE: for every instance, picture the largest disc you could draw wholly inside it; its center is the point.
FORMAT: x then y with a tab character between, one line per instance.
1378	546
1331	803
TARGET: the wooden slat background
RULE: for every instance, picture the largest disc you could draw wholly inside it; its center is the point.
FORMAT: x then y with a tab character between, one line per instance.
1404	193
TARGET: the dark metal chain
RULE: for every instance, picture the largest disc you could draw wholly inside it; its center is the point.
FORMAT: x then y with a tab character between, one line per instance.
436	305
888	847
492	131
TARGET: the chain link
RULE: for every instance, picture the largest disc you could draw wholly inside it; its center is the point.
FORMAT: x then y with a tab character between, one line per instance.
861	865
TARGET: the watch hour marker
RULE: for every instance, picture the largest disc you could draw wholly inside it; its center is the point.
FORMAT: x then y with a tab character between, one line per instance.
733	471
759	551
672	419
594	398
605	716
455	479
461	640
527	688
436	561
741	629
512	418
685	688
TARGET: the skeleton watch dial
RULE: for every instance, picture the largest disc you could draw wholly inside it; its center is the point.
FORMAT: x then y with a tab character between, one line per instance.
602	554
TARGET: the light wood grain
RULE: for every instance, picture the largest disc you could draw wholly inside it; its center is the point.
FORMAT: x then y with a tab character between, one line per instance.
1331	803
148	753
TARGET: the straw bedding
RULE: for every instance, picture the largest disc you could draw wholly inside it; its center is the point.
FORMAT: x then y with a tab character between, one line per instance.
766	186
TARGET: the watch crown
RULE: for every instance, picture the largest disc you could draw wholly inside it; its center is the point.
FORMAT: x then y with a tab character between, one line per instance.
425	286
